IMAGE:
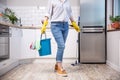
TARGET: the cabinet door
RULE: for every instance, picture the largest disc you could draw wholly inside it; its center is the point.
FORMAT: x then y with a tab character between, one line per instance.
15	43
27	38
119	53
113	47
71	49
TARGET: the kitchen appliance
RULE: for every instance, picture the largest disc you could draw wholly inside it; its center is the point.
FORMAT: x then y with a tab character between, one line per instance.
92	44
4	42
92	38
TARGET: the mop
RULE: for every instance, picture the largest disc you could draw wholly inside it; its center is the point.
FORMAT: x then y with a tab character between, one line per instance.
76	61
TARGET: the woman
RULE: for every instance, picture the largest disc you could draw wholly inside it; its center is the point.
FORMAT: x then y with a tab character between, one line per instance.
59	13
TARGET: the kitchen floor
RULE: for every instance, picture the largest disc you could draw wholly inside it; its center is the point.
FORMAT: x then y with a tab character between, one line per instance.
44	71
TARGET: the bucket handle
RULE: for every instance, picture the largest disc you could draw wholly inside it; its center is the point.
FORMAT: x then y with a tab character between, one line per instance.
42	34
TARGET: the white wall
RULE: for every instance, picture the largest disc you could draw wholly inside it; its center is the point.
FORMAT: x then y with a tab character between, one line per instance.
35	2
30	16
32	12
27	2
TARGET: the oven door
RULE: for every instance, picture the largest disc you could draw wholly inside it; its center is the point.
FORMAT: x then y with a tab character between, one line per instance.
4	51
4	43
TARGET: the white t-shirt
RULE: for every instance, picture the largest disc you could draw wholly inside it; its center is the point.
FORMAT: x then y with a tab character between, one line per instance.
59	11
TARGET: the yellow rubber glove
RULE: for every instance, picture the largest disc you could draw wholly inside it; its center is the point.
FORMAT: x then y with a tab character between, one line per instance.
45	23
76	27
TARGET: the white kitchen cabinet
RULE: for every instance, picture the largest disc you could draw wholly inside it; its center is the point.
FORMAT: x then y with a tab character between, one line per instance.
27	38
15	43
30	35
113	49
71	49
14	51
119	53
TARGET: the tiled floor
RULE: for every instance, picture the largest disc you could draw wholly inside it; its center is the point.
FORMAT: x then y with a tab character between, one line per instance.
40	71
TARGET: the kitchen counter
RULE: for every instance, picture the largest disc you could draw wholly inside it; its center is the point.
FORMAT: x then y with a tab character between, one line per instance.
39	27
111	30
23	27
16	26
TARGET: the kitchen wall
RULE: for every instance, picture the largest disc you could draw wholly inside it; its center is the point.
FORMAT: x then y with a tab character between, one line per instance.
32	12
35	2
27	2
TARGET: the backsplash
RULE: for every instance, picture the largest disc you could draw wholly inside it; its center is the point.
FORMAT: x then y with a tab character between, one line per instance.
2	7
32	16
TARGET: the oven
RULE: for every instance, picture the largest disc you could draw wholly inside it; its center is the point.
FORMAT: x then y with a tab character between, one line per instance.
4	42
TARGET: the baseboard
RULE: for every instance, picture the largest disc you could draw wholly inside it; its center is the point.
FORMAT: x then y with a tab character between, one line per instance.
45	60
115	67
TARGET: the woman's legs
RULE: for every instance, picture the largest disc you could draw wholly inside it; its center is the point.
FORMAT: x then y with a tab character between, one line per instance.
60	32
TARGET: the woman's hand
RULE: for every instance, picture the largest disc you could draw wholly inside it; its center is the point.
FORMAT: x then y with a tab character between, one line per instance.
76	27
44	24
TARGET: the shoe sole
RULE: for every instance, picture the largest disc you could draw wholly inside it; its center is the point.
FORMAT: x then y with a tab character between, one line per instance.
63	75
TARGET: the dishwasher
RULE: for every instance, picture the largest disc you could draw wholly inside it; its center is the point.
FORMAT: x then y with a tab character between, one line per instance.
92	44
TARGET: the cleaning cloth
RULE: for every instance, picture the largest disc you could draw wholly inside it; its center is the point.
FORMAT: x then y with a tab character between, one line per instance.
37	45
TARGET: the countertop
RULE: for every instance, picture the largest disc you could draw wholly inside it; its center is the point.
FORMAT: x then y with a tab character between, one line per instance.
22	27
111	30
39	27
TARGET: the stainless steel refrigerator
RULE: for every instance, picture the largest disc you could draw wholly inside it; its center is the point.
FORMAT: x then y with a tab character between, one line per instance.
92	38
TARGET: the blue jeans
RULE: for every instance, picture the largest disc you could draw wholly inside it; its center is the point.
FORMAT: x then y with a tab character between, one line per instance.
60	32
